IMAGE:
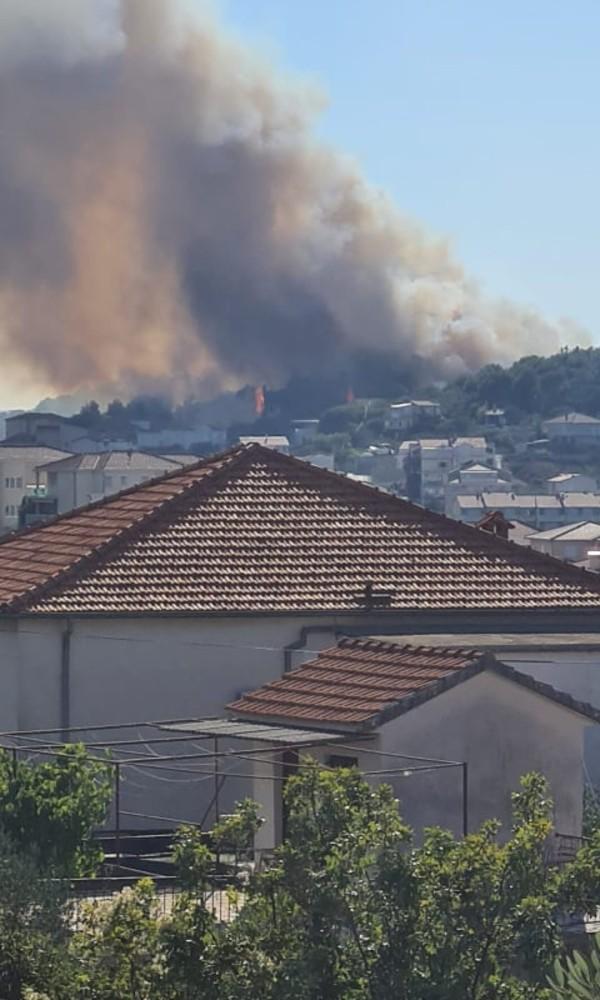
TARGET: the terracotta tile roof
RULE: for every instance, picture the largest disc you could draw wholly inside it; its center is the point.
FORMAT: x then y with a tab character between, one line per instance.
362	683
252	530
353	682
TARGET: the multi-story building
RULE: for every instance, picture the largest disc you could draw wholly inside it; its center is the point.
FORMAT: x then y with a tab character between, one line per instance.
540	510
474	479
46	429
572	428
81	479
19	477
430	462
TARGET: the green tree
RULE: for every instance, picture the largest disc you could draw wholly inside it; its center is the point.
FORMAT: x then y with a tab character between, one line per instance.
351	909
577	977
49	809
33	927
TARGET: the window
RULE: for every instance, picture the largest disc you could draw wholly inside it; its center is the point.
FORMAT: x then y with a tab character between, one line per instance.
11	482
340	760
19	483
6	482
7	509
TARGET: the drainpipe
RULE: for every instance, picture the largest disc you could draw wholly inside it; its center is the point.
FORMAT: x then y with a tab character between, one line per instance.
65	682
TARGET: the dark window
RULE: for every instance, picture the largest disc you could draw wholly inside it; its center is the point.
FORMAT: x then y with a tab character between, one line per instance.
339	760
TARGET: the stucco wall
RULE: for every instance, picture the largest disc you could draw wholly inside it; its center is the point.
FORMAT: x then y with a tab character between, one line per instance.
129	670
503	731
124	670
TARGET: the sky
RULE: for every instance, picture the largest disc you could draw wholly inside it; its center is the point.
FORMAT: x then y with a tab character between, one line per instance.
480	119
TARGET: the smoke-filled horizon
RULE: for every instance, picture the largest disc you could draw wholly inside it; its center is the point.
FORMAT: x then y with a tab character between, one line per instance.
170	223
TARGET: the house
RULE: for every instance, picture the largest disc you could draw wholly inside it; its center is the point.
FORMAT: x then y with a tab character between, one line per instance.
80	479
181	437
403	416
494	417
572	542
304	430
540	510
474	478
172	598
276	441
473	725
45	429
572	482
19	478
572	428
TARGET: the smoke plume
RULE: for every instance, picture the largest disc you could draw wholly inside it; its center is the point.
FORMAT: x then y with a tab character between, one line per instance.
169	222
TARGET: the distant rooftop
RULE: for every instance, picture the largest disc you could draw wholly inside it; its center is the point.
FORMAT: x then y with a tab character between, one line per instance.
267	441
528	500
582	531
572	418
564	477
114	461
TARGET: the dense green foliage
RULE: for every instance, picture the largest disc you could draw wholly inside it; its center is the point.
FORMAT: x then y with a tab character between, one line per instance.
349	909
577	977
48	809
532	386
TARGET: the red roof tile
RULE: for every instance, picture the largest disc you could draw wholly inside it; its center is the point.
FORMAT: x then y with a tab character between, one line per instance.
352	683
252	530
361	683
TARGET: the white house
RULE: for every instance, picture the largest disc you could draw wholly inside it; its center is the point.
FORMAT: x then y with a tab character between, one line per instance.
403	416
81	479
474	478
278	442
576	428
18	474
473	726
171	599
572	543
572	482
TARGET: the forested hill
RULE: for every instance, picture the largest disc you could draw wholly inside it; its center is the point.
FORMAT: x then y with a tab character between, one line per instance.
531	386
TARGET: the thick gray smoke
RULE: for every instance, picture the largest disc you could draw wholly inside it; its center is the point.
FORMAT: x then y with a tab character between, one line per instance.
168	221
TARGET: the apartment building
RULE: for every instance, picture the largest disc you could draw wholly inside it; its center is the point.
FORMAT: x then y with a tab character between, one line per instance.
430	462
474	479
19	477
81	479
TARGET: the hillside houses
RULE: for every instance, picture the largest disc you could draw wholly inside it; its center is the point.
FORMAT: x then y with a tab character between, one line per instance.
540	510
173	598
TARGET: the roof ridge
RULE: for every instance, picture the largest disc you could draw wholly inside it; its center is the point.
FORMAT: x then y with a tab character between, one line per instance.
118	538
463	532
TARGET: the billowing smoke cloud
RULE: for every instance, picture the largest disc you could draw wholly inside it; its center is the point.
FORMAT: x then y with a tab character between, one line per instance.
168	221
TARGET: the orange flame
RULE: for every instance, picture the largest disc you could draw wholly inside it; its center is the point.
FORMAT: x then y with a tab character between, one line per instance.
259	400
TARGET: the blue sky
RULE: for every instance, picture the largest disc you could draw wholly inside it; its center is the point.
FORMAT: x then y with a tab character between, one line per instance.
481	119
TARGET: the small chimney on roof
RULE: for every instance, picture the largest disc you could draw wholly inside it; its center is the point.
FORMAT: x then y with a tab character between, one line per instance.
496	524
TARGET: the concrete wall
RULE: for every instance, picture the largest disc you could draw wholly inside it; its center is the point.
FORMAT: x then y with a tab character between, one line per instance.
128	670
